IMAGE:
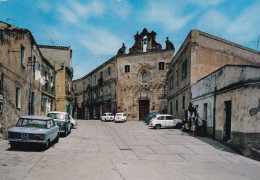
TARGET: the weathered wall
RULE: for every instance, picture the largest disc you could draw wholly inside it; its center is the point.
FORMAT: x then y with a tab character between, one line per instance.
130	86
245	128
17	75
205	54
57	55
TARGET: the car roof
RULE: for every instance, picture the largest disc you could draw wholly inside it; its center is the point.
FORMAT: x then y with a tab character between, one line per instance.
36	117
120	113
163	115
107	113
58	112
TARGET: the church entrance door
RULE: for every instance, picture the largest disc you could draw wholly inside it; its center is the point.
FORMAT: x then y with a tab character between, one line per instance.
143	108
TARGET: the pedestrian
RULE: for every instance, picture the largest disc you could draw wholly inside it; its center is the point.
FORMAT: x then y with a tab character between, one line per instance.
193	127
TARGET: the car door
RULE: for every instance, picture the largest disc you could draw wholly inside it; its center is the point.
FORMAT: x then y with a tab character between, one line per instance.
169	121
161	121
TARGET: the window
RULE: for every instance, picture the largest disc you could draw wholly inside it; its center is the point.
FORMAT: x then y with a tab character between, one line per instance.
18	98
144	80
205	112
176	105
94	79
184	70
161	118
183	102
34	63
127	68
109	70
161	66
109	90
22	54
101	74
100	93
169	118
171	107
171	82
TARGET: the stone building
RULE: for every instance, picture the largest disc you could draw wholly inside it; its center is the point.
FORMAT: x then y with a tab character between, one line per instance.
48	75
60	57
20	59
133	83
199	55
229	101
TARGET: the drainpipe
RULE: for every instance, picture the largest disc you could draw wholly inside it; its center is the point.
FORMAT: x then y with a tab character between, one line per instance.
214	114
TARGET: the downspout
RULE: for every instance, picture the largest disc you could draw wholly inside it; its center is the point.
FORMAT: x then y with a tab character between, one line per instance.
214	114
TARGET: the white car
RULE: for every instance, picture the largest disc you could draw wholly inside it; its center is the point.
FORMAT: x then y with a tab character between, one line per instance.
107	117
165	121
120	117
73	122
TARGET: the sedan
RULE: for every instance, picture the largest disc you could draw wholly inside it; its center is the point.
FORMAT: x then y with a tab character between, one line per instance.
165	121
107	117
62	119
120	117
34	129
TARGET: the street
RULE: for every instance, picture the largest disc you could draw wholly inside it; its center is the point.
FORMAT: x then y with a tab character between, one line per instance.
131	150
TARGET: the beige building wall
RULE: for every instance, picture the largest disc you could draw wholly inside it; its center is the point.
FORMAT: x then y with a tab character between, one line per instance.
205	54
17	74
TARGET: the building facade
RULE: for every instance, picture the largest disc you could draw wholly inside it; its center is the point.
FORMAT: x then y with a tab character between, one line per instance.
229	101
48	87
199	55
20	61
133	83
60	57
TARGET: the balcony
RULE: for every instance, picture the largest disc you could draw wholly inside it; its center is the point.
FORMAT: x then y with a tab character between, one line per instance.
100	99
100	81
108	97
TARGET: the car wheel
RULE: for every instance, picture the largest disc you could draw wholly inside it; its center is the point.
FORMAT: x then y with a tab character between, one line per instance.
57	139
13	145
46	145
158	126
72	126
178	126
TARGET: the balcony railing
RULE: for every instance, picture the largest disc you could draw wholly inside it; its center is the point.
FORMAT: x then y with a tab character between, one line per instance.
108	97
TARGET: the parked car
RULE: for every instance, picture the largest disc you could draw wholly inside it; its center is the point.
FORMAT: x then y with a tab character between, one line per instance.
120	117
165	121
149	117
73	122
107	117
34	129
62	119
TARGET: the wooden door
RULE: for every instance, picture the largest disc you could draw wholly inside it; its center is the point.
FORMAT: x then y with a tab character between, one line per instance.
143	109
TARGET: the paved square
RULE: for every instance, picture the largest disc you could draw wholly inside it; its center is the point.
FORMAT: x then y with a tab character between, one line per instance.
131	150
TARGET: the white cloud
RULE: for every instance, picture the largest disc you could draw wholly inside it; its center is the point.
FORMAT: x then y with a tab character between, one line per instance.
121	8
44	6
91	9
168	16
206	3
68	15
99	41
213	21
247	25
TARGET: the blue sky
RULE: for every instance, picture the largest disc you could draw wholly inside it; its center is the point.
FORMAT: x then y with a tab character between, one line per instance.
96	29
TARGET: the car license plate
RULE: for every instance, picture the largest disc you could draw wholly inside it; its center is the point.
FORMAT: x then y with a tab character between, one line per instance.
24	136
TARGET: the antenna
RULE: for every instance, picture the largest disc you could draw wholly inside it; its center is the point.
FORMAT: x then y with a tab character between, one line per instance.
257	42
8	19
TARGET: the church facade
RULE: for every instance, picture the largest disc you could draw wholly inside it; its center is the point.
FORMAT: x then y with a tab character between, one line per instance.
133	83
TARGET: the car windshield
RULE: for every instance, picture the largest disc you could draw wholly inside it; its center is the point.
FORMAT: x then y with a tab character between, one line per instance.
58	116
31	123
119	114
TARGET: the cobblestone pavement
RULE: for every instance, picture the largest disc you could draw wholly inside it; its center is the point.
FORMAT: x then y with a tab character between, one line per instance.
107	150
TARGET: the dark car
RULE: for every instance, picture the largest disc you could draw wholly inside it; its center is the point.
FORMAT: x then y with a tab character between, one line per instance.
34	129
62	119
149	117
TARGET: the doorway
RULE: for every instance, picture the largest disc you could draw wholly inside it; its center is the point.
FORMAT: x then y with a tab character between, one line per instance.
227	125
143	108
